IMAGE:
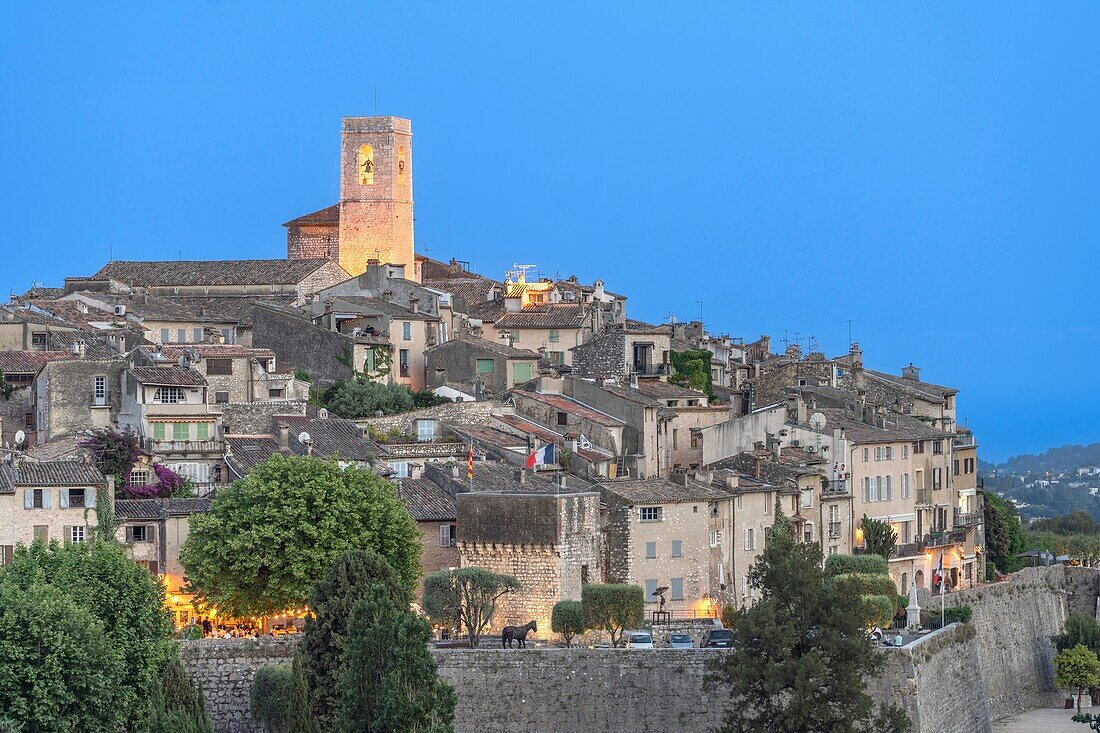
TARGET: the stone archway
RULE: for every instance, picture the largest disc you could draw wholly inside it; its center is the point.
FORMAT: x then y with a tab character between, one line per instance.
918	579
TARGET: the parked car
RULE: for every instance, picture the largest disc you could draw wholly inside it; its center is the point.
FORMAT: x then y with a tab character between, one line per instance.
680	641
639	640
717	639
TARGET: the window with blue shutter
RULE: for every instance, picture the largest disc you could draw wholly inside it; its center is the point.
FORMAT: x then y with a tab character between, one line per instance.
650	590
677	589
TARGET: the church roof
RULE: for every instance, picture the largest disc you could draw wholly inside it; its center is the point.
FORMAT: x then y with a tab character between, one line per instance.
330	215
167	273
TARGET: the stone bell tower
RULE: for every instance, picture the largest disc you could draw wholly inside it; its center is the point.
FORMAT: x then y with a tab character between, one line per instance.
376	203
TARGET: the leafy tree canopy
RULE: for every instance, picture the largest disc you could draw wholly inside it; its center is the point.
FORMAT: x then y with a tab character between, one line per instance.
878	537
466	597
1078	667
360	398
613	607
801	653
80	607
347	581
692	369
270	536
1004	536
1078	522
567	619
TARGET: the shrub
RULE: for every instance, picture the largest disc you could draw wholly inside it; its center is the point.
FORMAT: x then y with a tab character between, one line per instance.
955	614
882	611
466	597
272	691
613	608
177	704
193	631
302	376
867	584
567	619
843	564
729	616
1081	628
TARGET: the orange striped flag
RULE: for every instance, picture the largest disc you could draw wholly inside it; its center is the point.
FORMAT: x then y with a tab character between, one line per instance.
470	463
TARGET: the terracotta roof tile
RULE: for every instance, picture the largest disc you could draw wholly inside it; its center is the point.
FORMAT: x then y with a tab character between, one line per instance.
426	501
29	362
209	272
545	316
330	215
172	376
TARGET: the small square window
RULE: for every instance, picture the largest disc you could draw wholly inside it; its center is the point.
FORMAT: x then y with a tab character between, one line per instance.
650	513
221	398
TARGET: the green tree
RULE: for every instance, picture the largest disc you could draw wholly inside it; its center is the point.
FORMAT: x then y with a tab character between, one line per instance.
844	564
1078	522
359	398
301	714
346	582
801	653
59	671
1078	667
127	604
271	696
567	619
466	597
389	681
177	705
613	607
878	537
1081	629
1004	536
270	536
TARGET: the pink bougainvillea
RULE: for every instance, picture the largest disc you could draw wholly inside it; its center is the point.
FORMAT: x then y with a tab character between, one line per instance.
169	483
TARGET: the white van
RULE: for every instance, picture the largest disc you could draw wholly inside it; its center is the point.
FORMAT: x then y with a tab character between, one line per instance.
639	640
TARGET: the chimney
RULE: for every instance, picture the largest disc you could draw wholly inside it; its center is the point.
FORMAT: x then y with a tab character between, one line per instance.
598	291
322	414
911	372
284	438
414	304
571	442
679	477
521	476
634	380
454	471
731	481
78	348
561	480
756	461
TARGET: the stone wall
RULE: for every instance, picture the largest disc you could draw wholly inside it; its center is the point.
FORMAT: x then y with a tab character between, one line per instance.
224	669
953	681
581	690
467	413
298	344
257	418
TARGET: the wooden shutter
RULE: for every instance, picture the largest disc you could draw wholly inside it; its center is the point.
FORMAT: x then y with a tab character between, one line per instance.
154	567
8	549
47	499
28	498
89	498
63	495
67	534
129	534
151	533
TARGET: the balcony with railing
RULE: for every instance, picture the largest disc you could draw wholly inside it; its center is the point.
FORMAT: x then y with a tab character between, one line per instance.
966	440
182	447
644	369
908	549
835	489
937	538
965	519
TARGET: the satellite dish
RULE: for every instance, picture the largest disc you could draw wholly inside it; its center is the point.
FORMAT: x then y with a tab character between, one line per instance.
20	436
817	421
303	437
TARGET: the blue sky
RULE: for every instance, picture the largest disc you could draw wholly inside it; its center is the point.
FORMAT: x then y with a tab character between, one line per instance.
927	170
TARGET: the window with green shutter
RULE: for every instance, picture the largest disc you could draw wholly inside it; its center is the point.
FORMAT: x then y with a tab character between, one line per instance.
181	431
158	431
521	371
484	366
202	431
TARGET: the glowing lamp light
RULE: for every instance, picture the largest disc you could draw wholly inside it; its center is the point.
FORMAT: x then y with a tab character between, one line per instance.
859	535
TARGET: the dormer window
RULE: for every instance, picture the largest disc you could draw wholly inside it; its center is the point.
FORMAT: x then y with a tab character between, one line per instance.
169	395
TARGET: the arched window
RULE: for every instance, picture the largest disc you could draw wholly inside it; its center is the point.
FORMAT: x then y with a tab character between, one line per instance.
905	584
402	163
366	165
918	578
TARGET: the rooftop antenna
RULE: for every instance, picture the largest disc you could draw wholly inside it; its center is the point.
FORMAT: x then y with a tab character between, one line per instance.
849	322
700	310
110	251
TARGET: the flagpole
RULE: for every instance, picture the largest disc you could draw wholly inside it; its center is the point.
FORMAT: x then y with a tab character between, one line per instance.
943	587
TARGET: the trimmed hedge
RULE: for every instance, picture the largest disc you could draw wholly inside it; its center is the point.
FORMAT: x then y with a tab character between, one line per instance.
567	619
883	609
272	690
955	614
867	584
845	564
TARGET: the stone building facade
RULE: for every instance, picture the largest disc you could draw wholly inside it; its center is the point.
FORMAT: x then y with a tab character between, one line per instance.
75	395
549	543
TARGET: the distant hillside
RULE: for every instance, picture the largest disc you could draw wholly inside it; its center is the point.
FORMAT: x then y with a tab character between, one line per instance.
1066	458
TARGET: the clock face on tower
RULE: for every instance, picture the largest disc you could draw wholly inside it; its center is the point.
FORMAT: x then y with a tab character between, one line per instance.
366	165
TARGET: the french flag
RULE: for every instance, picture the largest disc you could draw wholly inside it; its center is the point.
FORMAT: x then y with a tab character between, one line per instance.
542	456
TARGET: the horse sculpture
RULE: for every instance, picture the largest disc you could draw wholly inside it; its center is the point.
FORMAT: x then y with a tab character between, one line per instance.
518	633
